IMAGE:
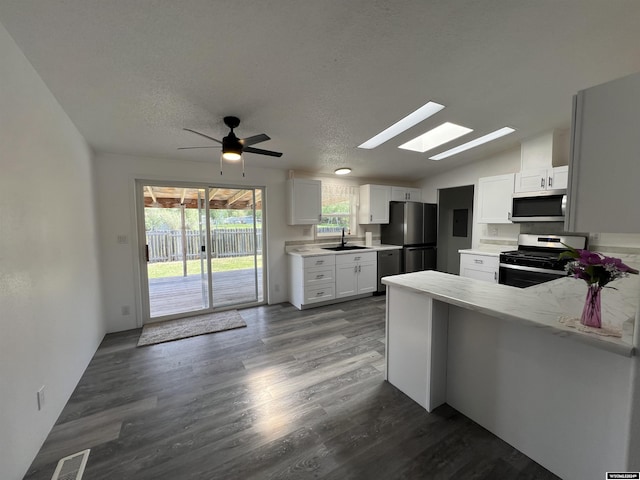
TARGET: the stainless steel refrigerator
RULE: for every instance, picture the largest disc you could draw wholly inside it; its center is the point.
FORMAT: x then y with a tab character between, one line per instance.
414	226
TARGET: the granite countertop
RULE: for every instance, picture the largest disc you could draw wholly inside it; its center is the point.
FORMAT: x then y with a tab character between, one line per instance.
539	306
314	250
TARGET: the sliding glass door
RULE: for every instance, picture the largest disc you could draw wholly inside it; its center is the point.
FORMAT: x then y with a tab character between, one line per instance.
203	248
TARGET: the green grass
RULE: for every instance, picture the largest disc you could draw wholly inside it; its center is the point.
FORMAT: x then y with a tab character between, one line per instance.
174	269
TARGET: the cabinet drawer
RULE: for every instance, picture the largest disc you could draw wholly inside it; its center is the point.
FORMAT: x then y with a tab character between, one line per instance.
319	293
316	275
319	261
355	257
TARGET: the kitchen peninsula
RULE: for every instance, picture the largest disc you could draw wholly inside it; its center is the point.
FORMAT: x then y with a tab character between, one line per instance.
499	355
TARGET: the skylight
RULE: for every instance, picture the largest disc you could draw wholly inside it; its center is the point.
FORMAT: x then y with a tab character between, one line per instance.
474	143
407	122
435	137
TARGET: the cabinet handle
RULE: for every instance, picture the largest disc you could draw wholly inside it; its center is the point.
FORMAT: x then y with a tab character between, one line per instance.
550	182
319	262
355	269
357	258
319	294
509	215
371	218
478	261
320	217
359	268
319	276
495	276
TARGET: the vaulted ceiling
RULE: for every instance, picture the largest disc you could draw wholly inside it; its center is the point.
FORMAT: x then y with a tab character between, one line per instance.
320	77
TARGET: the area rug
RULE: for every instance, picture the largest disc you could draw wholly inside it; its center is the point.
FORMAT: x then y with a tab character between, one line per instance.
171	330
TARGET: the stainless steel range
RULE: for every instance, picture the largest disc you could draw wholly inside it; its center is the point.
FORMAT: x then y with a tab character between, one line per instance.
536	260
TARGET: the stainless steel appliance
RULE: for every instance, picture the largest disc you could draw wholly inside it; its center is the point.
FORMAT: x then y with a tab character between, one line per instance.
414	226
388	264
536	259
547	206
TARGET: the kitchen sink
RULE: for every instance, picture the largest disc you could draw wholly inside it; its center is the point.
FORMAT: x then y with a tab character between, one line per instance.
345	247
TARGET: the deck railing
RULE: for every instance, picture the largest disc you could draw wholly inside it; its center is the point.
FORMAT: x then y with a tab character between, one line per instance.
167	246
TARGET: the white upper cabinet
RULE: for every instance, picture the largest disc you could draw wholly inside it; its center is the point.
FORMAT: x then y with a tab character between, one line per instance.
605	159
541	179
374	204
405	194
494	198
304	201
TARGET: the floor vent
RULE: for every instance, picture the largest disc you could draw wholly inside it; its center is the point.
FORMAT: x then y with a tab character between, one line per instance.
71	467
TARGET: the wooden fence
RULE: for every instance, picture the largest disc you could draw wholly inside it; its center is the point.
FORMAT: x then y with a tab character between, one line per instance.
166	246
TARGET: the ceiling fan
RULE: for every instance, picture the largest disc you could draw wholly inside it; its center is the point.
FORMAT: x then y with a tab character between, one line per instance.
232	146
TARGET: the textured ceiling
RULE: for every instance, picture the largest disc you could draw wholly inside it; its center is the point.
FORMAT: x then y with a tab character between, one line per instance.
320	77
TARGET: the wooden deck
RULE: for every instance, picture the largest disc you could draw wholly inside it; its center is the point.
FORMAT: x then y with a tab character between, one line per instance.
172	295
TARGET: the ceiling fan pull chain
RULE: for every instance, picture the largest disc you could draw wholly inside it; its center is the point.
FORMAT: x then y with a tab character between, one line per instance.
242	157
221	164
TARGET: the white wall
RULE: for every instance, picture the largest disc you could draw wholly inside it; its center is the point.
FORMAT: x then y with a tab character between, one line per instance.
115	189
505	162
50	309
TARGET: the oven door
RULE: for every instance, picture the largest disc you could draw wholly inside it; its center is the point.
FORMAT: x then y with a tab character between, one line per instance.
522	277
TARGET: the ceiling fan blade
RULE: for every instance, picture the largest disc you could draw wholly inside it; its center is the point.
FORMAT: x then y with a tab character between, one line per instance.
246	142
260	151
202	135
188	148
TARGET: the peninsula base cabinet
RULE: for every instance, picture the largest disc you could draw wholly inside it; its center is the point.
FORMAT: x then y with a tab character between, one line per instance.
324	279
356	274
480	267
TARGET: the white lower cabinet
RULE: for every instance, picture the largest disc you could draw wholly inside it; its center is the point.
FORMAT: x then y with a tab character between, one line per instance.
323	278
355	274
313	279
480	267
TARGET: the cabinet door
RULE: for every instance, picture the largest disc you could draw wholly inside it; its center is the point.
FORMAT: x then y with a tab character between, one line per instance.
374	204
367	277
531	181
494	199
346	280
414	195
558	178
398	194
304	202
603	190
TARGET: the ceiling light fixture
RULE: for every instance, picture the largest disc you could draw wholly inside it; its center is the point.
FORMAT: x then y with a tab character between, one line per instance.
474	143
435	137
342	171
424	112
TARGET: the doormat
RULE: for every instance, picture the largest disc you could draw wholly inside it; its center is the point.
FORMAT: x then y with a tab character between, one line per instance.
171	330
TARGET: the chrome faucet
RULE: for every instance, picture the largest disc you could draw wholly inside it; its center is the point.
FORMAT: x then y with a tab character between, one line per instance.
343	242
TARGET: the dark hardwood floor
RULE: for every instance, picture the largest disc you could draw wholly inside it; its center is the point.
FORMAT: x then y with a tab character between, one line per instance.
295	395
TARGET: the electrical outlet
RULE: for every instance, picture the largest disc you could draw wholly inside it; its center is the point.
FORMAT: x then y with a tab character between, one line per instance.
493	230
40	395
125	310
122	239
306	231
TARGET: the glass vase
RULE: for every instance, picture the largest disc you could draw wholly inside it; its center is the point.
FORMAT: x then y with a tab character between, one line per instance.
592	311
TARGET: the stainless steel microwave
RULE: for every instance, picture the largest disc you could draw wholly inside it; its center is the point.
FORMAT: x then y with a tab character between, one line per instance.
546	206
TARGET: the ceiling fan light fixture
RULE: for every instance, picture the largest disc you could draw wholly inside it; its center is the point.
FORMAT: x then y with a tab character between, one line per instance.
342	171
231	156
